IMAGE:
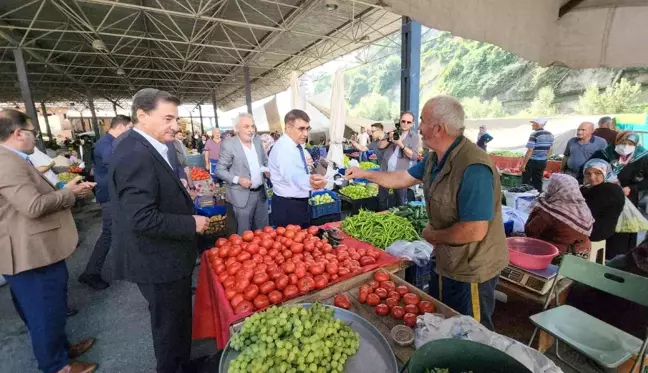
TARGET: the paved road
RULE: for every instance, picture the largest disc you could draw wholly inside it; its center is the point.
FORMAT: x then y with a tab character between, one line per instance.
117	317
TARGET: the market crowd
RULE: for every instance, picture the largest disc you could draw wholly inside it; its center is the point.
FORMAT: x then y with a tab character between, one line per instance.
143	184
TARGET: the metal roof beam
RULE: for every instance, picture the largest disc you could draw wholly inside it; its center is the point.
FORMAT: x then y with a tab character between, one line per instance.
206	18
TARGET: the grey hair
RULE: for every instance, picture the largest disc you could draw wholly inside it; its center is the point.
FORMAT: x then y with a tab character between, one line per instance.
450	113
240	116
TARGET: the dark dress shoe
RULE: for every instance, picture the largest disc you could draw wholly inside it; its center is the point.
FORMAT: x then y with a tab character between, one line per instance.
80	367
80	348
94	281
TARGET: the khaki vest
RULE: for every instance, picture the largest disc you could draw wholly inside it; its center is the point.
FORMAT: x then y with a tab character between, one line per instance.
474	262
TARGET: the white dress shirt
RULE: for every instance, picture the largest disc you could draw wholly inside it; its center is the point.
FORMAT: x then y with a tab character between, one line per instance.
289	177
363	139
160	147
256	171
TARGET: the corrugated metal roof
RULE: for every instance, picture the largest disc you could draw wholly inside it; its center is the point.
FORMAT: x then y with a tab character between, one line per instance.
187	47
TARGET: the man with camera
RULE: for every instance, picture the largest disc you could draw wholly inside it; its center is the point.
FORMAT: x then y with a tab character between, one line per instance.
399	149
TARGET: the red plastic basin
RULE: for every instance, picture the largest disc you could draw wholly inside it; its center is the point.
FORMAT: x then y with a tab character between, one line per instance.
530	253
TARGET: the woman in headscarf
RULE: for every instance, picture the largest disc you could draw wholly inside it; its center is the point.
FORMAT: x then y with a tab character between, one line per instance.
604	197
483	137
561	217
630	164
267	142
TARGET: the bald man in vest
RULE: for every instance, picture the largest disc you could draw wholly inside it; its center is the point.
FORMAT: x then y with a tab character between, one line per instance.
463	198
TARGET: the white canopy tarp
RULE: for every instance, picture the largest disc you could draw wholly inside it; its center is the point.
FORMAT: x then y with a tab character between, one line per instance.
513	133
338	119
592	33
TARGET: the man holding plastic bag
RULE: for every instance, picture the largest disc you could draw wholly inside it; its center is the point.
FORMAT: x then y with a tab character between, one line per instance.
463	199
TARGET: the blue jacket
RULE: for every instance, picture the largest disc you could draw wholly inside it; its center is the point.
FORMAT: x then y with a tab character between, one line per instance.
102	154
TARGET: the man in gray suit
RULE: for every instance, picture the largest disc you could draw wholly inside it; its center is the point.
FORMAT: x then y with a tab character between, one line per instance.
242	165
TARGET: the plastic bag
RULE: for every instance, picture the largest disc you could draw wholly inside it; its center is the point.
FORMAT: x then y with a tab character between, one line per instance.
417	251
631	220
431	326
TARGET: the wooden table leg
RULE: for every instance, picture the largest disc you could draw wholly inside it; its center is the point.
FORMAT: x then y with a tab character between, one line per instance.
545	341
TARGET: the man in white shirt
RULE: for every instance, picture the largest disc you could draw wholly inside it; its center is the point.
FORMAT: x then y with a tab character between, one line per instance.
242	166
290	174
363	140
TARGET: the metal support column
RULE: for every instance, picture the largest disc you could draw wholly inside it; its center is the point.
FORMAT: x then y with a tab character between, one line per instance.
30	109
202	127
82	122
248	89
215	104
95	123
115	108
47	125
191	125
410	66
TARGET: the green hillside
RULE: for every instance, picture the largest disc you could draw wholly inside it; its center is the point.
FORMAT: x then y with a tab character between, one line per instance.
490	82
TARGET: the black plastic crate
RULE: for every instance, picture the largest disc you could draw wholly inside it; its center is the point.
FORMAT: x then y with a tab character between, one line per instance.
419	276
352	206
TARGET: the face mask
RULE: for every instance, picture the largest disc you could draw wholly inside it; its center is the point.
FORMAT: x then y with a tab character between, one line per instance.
624	149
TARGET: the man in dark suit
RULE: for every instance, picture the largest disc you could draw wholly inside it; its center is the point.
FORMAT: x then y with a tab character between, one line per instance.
154	225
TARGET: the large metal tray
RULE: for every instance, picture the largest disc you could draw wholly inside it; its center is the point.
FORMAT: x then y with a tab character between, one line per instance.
374	354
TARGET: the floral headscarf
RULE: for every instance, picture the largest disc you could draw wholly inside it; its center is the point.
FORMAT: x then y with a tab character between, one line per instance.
604	167
267	142
564	201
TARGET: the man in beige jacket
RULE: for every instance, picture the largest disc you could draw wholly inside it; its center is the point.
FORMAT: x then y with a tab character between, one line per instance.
37	233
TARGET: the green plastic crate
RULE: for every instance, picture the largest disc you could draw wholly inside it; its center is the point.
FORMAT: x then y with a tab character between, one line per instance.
509	180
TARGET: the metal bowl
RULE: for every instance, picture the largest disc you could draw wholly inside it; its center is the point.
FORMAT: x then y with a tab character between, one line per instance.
374	355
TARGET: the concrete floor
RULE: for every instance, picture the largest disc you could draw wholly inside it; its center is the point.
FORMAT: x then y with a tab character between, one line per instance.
119	319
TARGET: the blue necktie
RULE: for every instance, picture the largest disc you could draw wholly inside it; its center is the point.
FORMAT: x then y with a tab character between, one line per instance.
301	153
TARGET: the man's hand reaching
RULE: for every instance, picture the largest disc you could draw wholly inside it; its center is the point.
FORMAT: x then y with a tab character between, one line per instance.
317	182
245	182
202	223
355	173
80	190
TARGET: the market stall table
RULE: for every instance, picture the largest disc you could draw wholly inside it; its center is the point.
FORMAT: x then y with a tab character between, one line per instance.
213	315
384	324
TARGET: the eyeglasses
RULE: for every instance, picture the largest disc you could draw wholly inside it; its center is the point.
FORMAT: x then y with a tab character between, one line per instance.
406	121
303	129
34	132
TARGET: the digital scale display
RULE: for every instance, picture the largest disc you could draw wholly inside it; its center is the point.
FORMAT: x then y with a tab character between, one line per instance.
537	281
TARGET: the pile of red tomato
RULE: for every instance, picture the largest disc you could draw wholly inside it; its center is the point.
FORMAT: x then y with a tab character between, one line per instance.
198	174
271	266
385	296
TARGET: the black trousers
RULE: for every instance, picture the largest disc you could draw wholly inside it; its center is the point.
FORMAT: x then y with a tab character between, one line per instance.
170	308
98	257
533	174
290	211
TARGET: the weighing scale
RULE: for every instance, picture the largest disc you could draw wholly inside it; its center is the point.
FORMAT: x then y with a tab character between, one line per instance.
538	281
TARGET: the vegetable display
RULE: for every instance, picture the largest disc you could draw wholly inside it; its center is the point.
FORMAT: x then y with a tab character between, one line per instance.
369	166
271	266
321	199
66	177
346	161
360	191
216	224
380	230
293	339
506	153
198	174
75	169
417	216
521	188
390	302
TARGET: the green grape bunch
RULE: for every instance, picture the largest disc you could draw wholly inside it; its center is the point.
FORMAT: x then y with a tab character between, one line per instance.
293	339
